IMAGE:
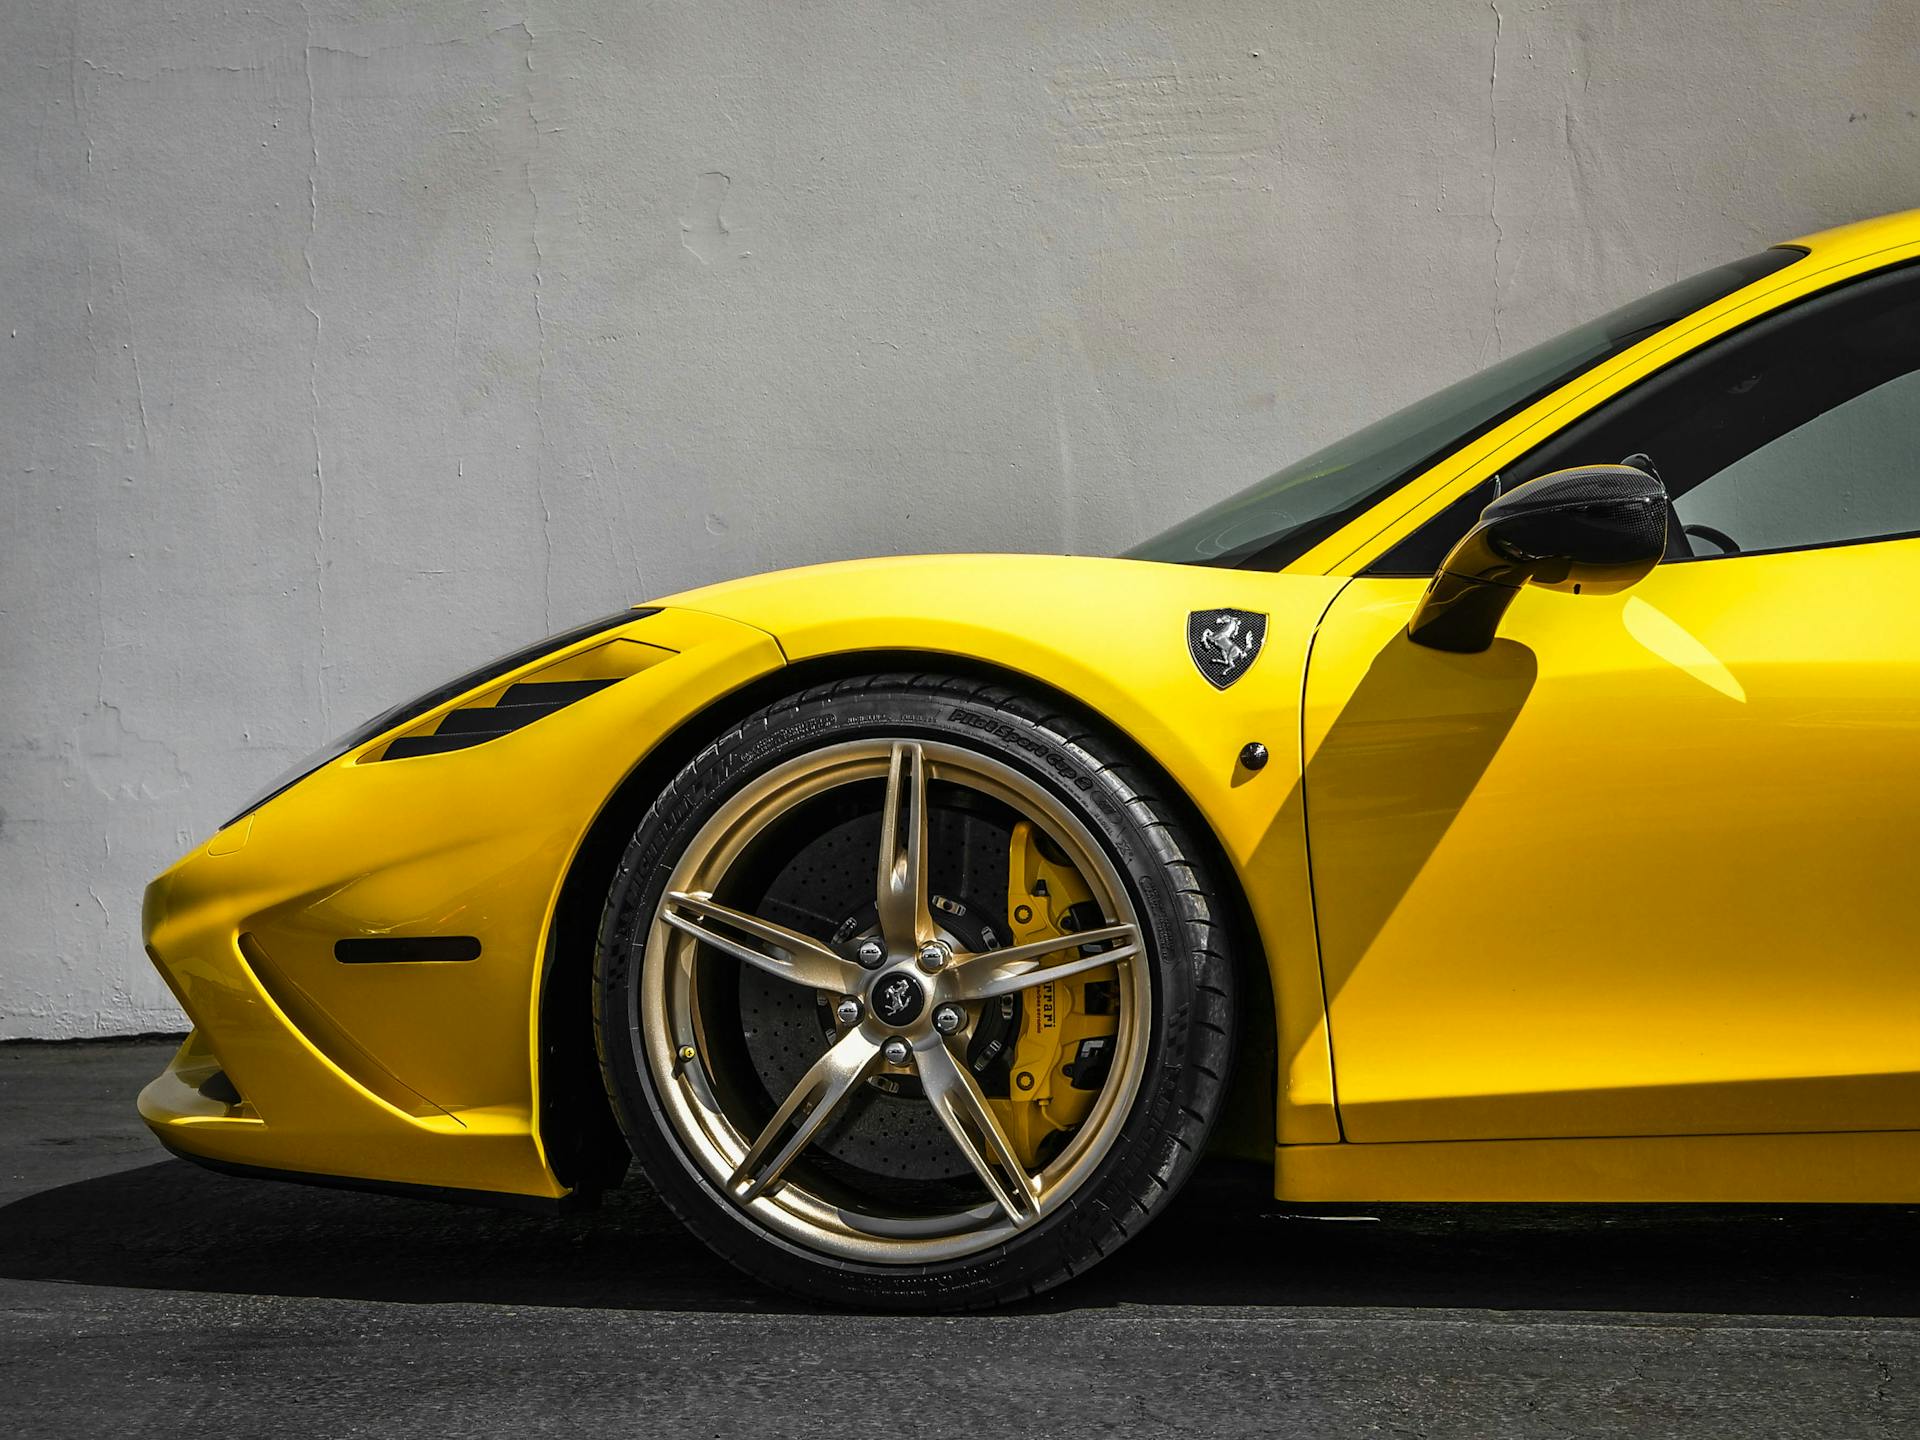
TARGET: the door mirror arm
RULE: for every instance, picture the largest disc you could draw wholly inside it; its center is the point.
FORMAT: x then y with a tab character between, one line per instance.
1595	530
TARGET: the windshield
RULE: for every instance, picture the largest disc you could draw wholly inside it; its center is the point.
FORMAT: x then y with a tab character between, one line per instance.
1273	523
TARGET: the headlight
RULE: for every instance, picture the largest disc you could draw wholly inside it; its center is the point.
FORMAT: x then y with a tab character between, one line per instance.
408	711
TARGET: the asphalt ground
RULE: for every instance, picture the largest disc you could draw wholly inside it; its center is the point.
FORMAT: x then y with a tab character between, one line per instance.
141	1295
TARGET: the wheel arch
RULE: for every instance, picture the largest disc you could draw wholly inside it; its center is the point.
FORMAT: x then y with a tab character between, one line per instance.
579	1135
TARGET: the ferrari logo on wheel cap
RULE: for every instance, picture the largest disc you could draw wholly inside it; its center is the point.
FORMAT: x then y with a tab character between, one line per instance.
898	998
1224	643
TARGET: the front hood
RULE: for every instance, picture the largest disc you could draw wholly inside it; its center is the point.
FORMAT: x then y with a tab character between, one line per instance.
1076	608
1112	634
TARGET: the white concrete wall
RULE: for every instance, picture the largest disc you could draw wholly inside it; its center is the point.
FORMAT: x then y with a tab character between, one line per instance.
345	344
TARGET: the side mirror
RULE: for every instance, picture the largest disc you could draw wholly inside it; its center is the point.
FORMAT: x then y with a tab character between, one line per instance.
1598	529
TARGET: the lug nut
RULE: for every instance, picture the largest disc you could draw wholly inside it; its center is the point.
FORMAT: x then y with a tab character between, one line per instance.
871	954
895	1052
934	956
847	1012
948	1019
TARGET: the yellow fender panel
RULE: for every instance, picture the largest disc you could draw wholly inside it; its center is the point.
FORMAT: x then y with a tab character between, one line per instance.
1113	635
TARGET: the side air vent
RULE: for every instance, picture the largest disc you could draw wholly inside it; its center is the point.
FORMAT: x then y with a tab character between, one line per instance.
218	1087
518	705
406	949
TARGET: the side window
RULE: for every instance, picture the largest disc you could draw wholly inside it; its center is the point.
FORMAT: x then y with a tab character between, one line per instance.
1851	473
1799	430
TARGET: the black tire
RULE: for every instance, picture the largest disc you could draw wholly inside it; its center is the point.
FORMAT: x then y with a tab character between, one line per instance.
1182	916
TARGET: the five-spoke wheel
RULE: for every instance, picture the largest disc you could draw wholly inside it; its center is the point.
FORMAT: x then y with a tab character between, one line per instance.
907	996
905	992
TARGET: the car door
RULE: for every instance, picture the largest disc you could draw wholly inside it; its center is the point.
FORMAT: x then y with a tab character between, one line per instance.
1647	865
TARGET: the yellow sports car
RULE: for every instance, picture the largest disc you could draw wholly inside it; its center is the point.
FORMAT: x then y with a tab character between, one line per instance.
1511	801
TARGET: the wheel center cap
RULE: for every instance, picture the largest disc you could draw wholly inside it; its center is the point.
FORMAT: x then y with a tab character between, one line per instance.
897	999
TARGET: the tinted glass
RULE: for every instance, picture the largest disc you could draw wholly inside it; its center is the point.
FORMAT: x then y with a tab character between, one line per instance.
1273	523
1852	473
1801	429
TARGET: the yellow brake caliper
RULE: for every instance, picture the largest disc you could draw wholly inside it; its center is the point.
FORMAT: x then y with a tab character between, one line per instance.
1067	1026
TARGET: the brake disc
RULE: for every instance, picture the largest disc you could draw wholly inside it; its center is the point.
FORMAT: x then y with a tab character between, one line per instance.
826	886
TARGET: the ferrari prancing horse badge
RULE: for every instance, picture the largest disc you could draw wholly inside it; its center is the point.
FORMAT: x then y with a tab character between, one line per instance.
1224	643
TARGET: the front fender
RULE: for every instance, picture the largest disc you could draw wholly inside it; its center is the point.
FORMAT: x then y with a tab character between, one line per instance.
1113	634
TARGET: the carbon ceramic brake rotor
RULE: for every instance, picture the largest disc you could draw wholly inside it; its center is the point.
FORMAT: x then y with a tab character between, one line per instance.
827	887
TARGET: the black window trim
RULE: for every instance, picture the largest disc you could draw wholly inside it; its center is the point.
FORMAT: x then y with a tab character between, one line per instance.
1798	549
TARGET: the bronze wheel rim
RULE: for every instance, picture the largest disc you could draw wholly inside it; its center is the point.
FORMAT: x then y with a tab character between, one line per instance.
920	981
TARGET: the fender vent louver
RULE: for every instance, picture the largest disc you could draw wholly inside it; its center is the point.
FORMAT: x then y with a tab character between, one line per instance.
518	705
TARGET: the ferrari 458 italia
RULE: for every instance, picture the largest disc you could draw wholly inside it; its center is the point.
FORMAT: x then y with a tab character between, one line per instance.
1511	801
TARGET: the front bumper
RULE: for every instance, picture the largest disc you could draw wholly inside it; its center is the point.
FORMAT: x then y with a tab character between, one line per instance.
409	1074
327	1121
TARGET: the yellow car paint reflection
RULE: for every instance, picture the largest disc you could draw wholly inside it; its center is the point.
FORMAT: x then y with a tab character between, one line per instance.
1504	962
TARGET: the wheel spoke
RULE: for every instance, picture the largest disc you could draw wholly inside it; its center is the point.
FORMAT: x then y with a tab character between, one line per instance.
814	1100
1020	967
957	1100
801	958
905	919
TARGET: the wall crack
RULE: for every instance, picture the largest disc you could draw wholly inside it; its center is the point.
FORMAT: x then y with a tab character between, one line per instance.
313	376
1493	177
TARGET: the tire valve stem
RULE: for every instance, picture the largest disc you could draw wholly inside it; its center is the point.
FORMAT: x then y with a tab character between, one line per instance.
684	1057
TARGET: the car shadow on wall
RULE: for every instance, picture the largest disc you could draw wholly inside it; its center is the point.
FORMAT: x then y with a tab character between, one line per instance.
172	1226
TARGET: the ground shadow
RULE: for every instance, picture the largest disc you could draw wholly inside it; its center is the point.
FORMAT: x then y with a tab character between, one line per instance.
1391	775
172	1226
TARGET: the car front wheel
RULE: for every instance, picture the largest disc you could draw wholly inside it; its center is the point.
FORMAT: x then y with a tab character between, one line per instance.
911	993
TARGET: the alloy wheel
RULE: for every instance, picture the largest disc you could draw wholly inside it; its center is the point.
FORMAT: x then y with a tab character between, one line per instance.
905	991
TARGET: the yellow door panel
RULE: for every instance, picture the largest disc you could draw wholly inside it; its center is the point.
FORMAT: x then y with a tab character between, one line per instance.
1639	869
